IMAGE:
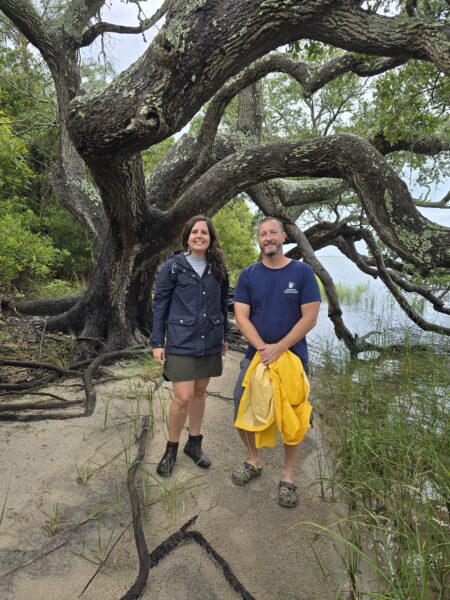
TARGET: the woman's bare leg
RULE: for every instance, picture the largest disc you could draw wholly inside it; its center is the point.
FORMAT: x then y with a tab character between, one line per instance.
196	408
183	394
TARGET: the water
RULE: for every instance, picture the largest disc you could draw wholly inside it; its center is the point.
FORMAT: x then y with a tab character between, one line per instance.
377	311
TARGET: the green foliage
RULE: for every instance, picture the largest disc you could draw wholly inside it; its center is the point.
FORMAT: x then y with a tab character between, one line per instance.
95	76
228	123
155	154
27	96
290	115
24	256
235	227
78	251
57	288
391	449
432	9
15	174
27	150
408	101
28	255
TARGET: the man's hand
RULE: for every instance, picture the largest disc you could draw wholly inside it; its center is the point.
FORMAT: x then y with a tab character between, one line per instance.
159	355
224	347
270	352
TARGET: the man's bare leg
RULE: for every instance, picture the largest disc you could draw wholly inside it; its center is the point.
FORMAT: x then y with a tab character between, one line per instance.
290	460
253	455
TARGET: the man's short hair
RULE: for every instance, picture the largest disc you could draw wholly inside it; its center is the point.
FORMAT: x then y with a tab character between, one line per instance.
272	219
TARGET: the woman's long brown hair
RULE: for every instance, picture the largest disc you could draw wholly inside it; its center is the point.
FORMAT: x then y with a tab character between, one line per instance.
214	254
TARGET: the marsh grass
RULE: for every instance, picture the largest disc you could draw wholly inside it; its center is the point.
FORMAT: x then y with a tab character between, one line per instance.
171	492
148	367
100	552
348	294
53	523
2	513
391	453
173	495
84	473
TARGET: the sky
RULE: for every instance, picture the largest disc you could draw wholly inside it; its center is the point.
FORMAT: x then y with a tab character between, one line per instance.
125	49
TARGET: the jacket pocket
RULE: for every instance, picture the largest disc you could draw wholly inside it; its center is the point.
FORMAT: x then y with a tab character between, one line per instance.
180	332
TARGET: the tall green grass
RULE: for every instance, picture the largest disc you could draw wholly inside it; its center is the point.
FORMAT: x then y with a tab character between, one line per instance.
348	294
392	449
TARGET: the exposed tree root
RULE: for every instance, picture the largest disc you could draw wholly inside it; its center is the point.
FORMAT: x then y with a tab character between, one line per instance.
149	561
141	544
88	380
234	582
47	394
6	407
37	365
39	417
44	307
26	385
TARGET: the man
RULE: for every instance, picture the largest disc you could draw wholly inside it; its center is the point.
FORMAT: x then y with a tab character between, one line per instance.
276	303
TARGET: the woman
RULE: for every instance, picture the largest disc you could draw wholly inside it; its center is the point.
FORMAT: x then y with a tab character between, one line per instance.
190	311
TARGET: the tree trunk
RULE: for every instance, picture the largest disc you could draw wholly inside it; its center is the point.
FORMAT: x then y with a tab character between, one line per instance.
115	311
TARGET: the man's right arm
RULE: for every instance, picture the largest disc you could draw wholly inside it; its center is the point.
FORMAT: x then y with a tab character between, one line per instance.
248	330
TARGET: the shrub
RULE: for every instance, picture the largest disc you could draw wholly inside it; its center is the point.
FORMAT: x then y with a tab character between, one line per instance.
25	257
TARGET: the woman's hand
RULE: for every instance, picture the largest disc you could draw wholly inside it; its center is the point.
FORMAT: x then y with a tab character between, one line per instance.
159	355
224	347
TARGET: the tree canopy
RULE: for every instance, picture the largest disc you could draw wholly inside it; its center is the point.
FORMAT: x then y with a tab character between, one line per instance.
314	108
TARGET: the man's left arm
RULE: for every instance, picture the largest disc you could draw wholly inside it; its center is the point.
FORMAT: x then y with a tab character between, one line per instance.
310	312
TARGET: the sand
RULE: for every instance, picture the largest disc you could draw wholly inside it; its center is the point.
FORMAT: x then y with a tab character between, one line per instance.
67	504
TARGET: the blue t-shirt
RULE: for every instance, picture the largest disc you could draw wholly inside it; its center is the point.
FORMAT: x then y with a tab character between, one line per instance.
275	297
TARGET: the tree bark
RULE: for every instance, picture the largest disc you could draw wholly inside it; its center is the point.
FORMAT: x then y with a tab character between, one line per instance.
203	44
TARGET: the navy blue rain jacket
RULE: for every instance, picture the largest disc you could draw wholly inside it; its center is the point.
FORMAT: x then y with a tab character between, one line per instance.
190	315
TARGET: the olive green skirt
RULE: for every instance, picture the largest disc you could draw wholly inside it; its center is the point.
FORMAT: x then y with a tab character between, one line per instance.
188	368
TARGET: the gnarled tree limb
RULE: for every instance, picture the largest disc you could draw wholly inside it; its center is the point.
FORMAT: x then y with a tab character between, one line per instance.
157	111
100	28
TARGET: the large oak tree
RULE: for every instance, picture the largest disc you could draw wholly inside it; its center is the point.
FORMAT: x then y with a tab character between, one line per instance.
209	51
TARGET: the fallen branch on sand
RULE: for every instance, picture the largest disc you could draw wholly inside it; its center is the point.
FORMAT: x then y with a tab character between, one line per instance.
148	561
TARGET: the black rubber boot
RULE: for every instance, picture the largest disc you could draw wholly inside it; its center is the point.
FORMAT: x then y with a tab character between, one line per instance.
165	466
194	450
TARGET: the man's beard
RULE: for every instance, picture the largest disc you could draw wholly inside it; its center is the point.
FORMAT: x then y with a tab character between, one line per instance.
271	249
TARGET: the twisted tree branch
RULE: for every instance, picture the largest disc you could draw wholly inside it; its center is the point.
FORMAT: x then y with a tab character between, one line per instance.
100	28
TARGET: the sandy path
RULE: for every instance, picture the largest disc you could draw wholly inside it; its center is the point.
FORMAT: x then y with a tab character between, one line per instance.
269	552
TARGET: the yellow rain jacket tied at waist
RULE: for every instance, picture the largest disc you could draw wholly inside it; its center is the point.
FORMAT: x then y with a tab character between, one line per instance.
275	394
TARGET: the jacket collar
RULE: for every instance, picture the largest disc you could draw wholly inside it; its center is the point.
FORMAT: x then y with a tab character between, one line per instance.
180	259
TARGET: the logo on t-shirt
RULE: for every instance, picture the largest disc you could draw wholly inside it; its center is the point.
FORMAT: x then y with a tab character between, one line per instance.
291	288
